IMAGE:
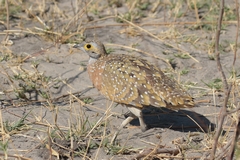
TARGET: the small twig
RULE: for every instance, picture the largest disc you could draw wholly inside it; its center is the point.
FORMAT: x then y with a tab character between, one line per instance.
235	139
46	31
223	151
202	126
196	11
7	8
217	52
73	9
80	13
151	151
16	156
237	34
227	89
233	110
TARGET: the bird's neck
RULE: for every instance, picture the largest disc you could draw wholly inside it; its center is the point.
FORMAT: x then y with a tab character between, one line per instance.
92	60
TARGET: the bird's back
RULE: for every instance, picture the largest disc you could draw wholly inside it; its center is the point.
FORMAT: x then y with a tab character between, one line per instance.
133	81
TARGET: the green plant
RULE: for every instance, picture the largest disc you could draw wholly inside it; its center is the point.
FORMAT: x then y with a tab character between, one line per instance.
211	57
109	50
127	16
14	127
184	71
182	55
144	5
215	84
115	149
4	147
88	100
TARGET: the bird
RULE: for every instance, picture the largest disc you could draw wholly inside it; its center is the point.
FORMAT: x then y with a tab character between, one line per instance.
133	82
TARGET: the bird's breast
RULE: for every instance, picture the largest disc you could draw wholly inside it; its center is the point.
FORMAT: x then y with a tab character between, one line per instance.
95	73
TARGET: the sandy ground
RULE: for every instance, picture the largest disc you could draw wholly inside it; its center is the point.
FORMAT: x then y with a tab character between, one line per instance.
61	73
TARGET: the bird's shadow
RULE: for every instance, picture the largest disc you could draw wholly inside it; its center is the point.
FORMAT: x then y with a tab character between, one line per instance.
181	120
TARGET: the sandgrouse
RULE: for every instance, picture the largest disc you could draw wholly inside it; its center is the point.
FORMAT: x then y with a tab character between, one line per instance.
133	82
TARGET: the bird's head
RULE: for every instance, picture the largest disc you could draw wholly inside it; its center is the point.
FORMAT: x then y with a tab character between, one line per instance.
94	49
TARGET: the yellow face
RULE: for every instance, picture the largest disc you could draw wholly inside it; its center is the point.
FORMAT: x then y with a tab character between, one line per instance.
88	47
94	49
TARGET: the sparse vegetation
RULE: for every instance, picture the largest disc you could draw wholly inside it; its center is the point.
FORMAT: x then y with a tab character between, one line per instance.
46	98
215	84
184	71
16	127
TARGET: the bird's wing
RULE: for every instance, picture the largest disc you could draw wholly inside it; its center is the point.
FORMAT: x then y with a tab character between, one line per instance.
124	80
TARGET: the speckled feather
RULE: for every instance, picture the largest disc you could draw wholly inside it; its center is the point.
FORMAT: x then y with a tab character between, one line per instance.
134	81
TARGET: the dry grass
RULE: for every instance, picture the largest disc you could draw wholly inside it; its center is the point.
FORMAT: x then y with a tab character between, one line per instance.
49	21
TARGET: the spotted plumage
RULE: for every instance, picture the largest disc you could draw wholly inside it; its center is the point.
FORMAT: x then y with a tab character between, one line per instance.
132	81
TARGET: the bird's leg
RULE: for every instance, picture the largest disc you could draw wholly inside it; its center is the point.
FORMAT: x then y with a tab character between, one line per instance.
124	123
138	113
135	112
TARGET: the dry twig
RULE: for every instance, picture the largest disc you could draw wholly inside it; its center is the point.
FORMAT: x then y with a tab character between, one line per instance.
227	89
149	152
237	132
235	138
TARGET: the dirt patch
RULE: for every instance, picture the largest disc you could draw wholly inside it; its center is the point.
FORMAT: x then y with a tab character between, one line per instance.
50	110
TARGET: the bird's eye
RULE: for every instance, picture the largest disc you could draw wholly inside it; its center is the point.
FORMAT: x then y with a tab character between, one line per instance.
88	46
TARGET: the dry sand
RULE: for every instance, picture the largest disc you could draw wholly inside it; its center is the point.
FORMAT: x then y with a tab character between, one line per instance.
66	81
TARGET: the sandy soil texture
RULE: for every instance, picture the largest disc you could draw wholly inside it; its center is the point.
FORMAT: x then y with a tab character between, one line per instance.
50	110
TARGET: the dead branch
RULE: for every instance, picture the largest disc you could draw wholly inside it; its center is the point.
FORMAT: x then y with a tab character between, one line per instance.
235	139
149	152
227	89
236	40
237	132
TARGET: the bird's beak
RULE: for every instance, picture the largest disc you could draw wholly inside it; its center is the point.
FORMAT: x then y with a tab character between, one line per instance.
77	46
80	46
